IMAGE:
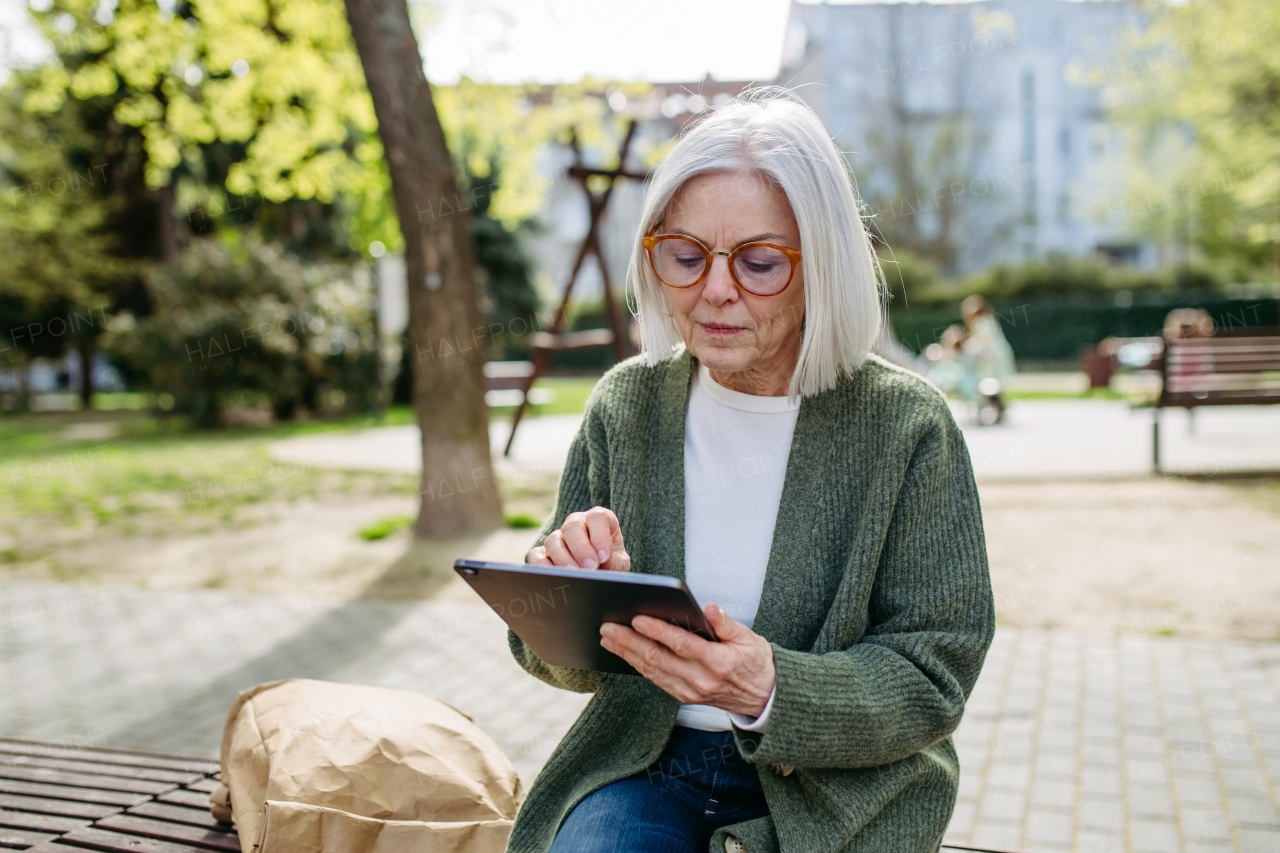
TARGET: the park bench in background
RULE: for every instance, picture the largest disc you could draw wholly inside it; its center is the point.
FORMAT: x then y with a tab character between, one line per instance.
505	383
1224	370
60	799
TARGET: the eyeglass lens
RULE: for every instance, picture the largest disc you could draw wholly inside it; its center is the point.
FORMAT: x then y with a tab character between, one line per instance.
760	269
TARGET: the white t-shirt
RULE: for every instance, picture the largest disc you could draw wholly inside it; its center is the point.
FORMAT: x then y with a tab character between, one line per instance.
735	459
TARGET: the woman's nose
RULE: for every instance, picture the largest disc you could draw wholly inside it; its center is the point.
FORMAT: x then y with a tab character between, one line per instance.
720	286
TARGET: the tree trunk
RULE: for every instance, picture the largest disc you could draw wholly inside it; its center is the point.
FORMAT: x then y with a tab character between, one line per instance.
85	347
447	330
168	225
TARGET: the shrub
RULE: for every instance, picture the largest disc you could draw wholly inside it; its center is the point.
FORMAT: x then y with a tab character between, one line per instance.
247	323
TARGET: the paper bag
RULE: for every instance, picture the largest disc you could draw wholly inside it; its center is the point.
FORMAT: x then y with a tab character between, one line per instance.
322	768
299	828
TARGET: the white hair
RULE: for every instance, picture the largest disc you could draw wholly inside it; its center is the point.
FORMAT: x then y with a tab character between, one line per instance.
770	132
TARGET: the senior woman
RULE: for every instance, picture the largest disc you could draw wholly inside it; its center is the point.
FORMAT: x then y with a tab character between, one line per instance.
817	500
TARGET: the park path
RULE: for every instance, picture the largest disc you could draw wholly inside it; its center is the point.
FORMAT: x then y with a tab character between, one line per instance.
1041	440
1072	741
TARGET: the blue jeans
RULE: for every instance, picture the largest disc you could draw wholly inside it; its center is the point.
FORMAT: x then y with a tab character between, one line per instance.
699	784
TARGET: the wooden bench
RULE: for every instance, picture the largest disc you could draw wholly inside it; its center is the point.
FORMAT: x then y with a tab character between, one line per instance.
60	799
506	383
1224	370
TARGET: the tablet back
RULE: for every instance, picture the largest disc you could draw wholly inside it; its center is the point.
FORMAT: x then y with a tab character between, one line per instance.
558	612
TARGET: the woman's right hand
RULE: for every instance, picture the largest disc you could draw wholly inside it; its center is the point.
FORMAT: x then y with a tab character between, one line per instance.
586	540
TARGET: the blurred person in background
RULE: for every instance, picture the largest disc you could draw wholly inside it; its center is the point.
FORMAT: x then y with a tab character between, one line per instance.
1188	323
988	360
818	501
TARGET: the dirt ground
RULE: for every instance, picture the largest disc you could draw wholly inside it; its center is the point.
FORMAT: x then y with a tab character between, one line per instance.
1152	556
1159	556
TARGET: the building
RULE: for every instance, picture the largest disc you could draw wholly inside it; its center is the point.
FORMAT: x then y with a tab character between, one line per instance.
970	141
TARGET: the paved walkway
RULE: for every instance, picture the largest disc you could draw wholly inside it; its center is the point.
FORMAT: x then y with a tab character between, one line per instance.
1071	741
1042	439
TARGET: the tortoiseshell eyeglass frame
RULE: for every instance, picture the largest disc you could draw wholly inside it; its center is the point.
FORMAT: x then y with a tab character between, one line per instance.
792	255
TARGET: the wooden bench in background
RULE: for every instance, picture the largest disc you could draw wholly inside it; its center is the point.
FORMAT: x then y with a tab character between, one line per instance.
1224	370
60	799
506	383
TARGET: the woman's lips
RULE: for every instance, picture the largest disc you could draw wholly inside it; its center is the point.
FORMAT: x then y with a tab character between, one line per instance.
720	330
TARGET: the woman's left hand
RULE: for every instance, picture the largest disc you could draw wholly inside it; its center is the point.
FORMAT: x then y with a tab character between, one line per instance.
735	674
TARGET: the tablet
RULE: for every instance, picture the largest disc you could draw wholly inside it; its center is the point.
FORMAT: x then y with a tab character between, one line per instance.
558	612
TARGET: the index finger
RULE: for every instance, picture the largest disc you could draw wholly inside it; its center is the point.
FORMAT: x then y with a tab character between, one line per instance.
600	531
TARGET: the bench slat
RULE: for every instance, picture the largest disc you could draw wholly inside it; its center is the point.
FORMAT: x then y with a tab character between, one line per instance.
588	339
1218	365
123	770
190	815
1221	357
108	756
63	808
102	839
84	780
179	832
1228	341
22	838
183	797
208	786
1253	346
40	822
66	792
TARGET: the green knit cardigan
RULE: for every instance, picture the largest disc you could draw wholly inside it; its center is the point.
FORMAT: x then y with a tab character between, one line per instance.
877	603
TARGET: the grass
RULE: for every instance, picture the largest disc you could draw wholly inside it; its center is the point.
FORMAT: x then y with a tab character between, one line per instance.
129	472
156	473
1087	394
384	527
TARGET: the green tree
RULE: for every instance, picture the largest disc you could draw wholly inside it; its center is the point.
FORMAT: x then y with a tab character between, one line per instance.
61	274
1198	88
266	100
277	83
246	324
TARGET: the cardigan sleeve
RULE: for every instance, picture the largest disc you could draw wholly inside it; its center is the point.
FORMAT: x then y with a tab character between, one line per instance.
575	495
931	618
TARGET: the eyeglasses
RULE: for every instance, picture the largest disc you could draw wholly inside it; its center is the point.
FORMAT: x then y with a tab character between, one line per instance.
764	269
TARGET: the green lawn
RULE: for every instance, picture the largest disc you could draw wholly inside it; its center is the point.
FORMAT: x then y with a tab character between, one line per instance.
1088	394
123	468
127	468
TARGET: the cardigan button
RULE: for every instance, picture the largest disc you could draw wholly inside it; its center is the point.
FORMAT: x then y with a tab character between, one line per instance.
782	769
733	845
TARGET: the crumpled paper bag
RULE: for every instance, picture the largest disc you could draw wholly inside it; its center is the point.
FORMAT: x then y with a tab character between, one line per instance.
337	768
299	828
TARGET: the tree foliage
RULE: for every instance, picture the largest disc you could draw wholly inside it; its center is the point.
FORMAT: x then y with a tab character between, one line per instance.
1198	88
252	117
279	88
249	324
